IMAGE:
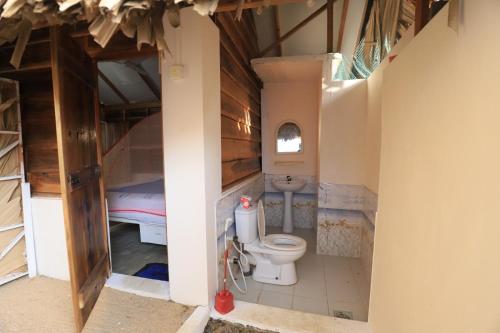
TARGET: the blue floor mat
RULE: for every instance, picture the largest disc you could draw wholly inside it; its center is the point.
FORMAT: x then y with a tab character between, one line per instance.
154	271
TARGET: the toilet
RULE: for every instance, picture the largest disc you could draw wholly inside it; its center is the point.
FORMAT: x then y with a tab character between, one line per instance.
274	255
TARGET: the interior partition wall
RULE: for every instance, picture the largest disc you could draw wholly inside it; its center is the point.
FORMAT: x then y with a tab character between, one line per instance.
192	155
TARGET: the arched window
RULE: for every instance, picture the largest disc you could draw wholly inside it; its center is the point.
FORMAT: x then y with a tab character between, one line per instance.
289	138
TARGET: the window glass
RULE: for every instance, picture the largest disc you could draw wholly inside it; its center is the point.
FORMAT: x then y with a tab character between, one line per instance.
289	138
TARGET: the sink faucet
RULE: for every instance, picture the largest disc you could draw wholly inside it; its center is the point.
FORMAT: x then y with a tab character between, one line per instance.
288	178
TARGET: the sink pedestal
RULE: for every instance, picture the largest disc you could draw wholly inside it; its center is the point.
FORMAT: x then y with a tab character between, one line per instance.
288	187
288	215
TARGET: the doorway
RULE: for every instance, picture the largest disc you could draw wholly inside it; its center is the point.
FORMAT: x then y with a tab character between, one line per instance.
131	136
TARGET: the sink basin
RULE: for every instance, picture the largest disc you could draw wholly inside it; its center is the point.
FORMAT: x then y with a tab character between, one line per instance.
288	187
293	185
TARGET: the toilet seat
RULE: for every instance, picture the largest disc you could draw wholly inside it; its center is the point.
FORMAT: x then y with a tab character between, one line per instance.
275	255
278	242
284	242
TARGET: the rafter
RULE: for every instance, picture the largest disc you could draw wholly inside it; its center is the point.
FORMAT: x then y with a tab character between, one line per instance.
151	85
131	106
293	30
232	6
345	8
145	78
422	12
277	29
329	26
113	87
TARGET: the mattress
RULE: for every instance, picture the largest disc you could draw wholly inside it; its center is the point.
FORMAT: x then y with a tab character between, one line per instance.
141	203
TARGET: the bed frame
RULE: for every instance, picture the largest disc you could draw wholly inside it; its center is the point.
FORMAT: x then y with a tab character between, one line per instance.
149	232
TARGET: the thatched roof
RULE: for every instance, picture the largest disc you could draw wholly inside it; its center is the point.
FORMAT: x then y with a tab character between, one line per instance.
141	19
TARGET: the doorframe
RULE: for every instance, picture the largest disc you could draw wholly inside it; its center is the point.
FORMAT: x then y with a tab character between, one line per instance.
116	280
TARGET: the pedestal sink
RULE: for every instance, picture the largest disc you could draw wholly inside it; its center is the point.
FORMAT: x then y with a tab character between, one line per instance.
288	186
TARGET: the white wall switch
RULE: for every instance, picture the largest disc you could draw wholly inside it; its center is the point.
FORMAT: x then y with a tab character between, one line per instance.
176	72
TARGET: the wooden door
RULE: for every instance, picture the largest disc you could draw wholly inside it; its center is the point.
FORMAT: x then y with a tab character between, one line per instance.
78	143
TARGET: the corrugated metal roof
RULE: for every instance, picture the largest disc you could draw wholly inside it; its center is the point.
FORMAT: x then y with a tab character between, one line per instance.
128	81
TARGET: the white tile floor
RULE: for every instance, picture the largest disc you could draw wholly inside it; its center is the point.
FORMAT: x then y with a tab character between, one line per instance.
326	284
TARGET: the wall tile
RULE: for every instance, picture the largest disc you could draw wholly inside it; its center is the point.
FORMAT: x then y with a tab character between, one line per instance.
370	205
339	232
337	196
273	206
225	209
304	209
366	251
226	205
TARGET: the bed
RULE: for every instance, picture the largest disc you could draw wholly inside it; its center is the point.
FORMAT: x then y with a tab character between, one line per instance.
142	204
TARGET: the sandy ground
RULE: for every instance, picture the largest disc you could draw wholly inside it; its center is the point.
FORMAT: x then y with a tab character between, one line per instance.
44	305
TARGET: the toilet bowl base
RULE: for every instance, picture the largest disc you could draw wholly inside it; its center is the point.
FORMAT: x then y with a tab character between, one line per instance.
267	272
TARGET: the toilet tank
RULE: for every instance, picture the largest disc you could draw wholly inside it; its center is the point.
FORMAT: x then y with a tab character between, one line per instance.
246	224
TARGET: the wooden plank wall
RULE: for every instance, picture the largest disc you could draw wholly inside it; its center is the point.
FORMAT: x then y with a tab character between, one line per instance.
37	112
240	107
39	135
240	98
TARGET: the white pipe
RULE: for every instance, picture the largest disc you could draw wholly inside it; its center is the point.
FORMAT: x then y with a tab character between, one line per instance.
229	220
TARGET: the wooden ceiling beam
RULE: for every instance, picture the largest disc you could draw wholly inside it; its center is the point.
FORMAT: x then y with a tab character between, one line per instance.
145	78
151	85
422	13
113	87
293	30
329	26
131	106
345	8
277	29
233	5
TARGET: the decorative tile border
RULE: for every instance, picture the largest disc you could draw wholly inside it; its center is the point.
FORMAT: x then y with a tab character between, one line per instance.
370	205
304	209
367	238
346	219
339	232
273	206
348	197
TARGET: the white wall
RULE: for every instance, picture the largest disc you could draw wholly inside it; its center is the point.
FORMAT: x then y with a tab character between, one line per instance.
373	125
298	102
192	154
436	262
342	132
350	126
50	237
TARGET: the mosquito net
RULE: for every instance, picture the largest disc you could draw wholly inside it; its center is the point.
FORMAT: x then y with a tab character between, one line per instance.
137	157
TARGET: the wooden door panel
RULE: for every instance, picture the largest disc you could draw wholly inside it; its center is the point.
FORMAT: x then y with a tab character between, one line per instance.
74	84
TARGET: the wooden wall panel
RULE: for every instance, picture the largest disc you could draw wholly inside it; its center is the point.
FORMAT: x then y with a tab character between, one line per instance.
39	131
240	104
240	98
37	111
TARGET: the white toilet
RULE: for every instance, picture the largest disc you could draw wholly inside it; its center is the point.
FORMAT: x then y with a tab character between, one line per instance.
274	255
